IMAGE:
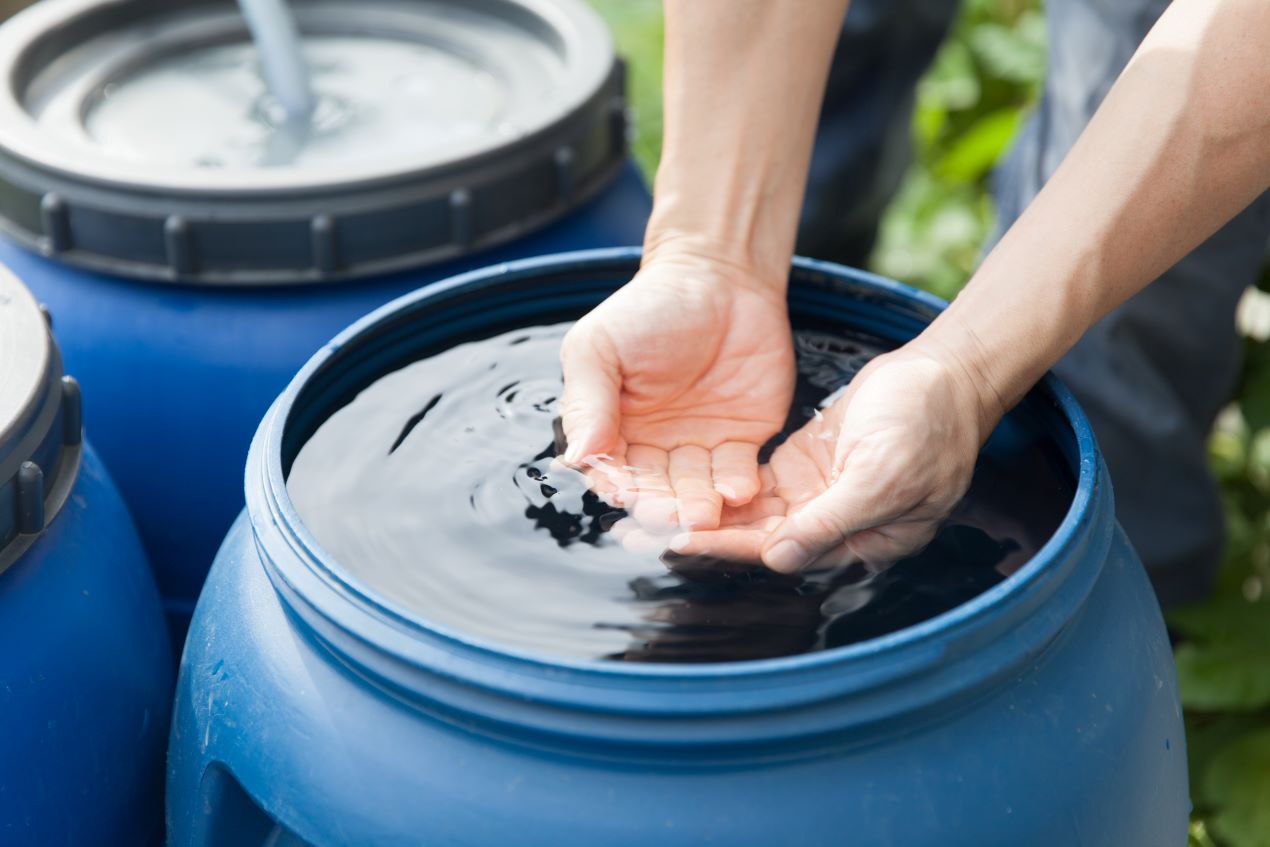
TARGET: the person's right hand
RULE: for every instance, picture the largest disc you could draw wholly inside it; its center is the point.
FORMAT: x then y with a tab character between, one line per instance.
673	384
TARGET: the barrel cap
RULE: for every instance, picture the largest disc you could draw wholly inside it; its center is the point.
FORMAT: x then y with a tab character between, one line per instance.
541	75
40	429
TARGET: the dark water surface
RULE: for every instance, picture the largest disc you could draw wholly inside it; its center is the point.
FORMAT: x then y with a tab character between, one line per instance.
435	487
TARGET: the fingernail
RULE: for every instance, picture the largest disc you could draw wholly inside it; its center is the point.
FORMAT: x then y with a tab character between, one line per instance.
679	541
787	556
726	491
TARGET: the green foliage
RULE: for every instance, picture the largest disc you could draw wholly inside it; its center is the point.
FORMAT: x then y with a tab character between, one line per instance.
973	154
1239	775
1254	399
1230	778
1230	676
969	107
637	29
1224	668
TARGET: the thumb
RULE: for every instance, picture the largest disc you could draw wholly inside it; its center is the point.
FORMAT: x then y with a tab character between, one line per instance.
590	409
827	521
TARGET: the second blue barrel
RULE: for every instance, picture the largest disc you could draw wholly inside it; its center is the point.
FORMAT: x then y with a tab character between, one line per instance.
85	667
196	252
313	708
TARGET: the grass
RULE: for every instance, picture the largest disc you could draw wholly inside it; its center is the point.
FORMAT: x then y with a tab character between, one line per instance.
969	105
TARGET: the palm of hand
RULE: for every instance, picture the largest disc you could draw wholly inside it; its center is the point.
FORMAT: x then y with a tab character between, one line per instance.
707	374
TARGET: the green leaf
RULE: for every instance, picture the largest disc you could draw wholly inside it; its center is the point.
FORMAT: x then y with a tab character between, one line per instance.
1198	835
1226	620
951	83
929	119
1259	457
1017	53
1240	776
931	234
974	153
1232	676
1228	455
1255	391
1207	735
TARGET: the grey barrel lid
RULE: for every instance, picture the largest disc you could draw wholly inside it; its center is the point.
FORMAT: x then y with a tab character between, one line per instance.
136	139
40	422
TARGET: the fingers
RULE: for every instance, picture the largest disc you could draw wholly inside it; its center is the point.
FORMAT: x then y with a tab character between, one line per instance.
745	544
590	409
679	489
753	512
606	475
734	468
742	544
651	502
697	501
609	476
635	538
825	522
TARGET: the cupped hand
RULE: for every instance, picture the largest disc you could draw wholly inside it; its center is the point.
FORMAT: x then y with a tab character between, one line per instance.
673	384
871	478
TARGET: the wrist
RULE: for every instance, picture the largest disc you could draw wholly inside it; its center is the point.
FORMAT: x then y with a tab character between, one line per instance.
964	358
739	222
716	261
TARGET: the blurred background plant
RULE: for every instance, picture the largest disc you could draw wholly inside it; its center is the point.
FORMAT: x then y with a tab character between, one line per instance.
969	105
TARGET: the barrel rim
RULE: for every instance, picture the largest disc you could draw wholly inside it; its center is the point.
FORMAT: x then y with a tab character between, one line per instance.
41	440
393	646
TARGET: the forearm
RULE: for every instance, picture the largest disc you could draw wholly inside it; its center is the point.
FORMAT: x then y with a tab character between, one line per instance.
1181	145
744	81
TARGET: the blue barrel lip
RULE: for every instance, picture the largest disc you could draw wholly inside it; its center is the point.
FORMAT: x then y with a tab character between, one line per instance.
928	647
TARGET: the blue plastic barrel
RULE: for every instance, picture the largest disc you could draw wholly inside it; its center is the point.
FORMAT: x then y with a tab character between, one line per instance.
85	668
311	710
186	300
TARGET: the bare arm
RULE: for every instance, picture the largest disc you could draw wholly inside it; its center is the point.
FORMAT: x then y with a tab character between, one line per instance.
674	383
744	80
1181	144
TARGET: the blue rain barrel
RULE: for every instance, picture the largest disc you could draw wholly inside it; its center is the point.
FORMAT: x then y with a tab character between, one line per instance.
187	295
85	671
311	710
